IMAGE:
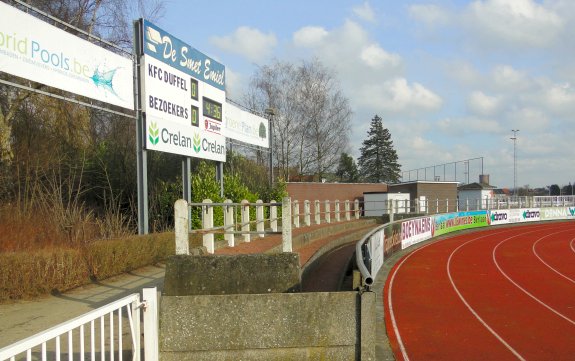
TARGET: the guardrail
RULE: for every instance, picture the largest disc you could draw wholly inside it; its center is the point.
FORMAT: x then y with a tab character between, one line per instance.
389	238
89	336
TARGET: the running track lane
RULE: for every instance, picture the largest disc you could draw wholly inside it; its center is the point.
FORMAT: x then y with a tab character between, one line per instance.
496	294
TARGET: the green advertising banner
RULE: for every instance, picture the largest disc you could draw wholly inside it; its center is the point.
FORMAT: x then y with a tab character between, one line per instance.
446	223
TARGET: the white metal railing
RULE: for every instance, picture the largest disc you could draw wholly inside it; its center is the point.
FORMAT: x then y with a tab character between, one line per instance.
98	334
367	248
434	206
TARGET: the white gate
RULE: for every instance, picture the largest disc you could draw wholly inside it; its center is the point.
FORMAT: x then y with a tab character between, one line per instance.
100	334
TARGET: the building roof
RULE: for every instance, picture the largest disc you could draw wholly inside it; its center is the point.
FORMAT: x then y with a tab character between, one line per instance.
475	186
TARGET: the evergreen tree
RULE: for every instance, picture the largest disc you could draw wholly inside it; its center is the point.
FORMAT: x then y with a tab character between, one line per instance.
347	169
378	159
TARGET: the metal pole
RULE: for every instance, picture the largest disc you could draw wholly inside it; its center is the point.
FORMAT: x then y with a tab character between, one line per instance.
271	112
186	181
141	155
514	138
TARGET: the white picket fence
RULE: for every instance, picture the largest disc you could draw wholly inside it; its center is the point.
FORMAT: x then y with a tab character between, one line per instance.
97	335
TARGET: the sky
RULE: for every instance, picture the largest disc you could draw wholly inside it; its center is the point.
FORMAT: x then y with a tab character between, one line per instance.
450	79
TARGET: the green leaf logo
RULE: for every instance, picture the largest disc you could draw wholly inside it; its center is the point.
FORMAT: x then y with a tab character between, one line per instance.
197	142
153	133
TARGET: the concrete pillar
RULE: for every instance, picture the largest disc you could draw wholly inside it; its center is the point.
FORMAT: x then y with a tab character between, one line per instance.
327	212
307	213
229	223
181	227
337	216
286	225
273	217
208	224
295	214
317	212
347	210
245	216
356	203
260	226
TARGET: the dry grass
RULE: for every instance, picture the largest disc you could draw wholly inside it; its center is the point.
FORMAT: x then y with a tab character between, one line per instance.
39	256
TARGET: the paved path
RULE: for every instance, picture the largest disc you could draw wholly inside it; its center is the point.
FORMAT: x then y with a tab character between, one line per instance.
22	319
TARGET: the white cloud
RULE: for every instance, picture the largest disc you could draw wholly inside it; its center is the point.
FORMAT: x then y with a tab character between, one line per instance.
429	14
469	125
560	98
376	57
365	12
483	104
507	77
309	36
397	95
529	119
514	22
248	42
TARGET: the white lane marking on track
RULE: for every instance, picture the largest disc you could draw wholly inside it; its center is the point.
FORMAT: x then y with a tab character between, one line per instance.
523	289
573	244
545	263
390	305
473	312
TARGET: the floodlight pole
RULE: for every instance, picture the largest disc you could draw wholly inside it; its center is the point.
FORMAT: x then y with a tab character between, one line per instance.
271	112
514	139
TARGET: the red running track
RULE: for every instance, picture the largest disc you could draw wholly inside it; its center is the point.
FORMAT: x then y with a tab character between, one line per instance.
497	294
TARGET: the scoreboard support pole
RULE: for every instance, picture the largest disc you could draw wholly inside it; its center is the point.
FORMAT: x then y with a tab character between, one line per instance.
141	152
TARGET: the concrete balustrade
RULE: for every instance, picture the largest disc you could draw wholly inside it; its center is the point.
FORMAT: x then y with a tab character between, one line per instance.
291	217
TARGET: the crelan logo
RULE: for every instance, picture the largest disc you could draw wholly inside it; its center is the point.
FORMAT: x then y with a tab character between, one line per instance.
197	142
153	133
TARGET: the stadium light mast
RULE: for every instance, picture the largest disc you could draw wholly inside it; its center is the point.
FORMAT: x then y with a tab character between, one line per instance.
514	139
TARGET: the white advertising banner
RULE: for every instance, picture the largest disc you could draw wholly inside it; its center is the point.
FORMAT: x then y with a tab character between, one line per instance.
557	213
503	216
376	243
38	51
416	230
246	127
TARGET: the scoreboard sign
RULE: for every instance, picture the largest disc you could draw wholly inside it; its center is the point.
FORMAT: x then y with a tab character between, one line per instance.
183	97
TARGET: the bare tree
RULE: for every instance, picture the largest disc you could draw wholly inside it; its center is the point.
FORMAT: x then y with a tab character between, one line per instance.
312	116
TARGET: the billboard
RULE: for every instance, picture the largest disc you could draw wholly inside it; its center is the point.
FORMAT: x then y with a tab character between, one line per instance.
38	51
246	127
416	230
451	222
183	97
376	244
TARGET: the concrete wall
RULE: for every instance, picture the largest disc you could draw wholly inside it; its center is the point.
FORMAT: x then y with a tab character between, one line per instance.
289	326
244	307
224	274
